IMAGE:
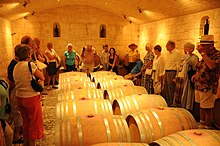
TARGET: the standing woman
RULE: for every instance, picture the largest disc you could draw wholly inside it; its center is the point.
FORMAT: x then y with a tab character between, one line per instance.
29	101
158	69
51	56
113	61
69	59
38	52
147	80
190	59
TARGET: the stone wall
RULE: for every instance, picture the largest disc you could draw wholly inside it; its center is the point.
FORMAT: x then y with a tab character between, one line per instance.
80	26
180	29
6	50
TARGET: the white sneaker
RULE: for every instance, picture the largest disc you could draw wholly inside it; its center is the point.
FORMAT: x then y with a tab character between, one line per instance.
48	87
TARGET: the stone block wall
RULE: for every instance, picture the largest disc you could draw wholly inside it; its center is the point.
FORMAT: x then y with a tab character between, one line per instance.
180	29
6	50
80	26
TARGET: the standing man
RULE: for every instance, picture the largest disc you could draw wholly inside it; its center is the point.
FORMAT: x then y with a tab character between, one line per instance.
88	58
173	60
69	59
206	79
131	53
104	57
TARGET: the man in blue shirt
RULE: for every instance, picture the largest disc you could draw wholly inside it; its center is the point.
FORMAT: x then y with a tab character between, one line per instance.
69	59
136	71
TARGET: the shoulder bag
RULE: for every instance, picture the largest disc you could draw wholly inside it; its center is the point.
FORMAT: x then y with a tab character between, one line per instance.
34	83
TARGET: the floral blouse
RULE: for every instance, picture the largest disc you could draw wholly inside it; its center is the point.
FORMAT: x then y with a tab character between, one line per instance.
206	78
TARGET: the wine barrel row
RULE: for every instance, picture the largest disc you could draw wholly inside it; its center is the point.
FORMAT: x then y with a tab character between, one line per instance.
74	78
114	83
83	107
99	74
119	92
77	85
80	94
137	102
107	78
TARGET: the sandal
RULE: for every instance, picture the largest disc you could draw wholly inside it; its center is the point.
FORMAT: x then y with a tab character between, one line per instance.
18	141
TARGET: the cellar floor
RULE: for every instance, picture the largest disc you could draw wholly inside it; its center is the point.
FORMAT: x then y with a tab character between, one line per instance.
49	116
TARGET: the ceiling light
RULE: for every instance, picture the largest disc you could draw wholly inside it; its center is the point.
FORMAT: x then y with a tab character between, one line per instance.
26	2
140	10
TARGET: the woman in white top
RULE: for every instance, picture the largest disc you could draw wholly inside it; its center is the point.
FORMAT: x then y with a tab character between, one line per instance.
52	57
29	101
158	69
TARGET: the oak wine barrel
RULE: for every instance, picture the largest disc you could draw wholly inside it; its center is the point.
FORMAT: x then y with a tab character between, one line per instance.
152	124
137	102
80	93
77	85
83	107
119	92
91	129
72	73
198	137
74	78
101	74
107	78
114	83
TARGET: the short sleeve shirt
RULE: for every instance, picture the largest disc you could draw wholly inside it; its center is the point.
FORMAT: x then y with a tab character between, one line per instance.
22	77
206	78
70	57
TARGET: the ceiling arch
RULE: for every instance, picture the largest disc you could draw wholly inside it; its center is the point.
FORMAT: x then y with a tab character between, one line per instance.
137	11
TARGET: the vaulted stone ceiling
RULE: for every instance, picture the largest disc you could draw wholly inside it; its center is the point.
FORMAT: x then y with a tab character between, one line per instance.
138	11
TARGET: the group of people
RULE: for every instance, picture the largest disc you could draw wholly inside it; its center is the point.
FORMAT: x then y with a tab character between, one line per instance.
180	79
26	110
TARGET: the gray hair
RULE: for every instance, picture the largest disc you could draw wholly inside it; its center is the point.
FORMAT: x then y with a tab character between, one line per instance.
69	45
189	45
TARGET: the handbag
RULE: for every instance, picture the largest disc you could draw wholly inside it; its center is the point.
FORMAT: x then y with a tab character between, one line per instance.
148	71
7	105
34	83
40	65
191	73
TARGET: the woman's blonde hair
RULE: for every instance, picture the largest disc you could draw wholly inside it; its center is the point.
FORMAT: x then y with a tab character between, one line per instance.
191	46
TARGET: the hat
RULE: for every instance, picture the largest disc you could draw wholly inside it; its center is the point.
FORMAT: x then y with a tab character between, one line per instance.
207	39
132	45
